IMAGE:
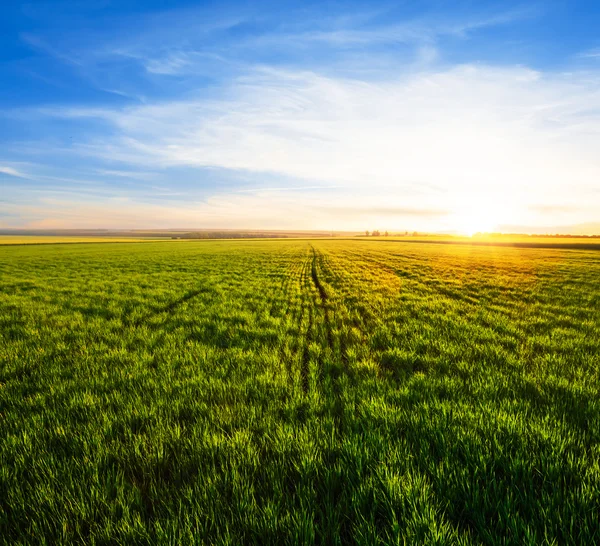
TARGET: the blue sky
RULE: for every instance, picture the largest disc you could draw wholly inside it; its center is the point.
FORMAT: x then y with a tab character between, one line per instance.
442	116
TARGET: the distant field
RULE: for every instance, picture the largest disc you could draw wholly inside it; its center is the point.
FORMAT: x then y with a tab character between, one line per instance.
299	392
51	239
517	241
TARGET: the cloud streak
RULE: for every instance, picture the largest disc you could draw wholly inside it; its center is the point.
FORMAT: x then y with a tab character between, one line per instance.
466	129
10	171
591	54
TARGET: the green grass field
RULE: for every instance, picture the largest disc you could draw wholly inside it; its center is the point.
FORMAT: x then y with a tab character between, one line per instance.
56	239
299	392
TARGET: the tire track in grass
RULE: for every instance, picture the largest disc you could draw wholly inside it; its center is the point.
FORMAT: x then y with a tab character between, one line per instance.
334	525
320	300
168	308
295	355
295	310
335	366
311	297
343	351
323	296
309	334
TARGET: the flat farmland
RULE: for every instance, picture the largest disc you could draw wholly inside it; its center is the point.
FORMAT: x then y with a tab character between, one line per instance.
299	392
49	240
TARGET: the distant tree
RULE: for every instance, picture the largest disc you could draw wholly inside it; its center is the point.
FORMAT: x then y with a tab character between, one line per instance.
367	233
386	234
376	233
415	234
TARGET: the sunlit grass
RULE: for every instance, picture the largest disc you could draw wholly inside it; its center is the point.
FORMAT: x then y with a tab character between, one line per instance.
299	392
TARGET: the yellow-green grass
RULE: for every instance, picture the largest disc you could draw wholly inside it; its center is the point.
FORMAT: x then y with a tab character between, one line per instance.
493	240
299	392
59	239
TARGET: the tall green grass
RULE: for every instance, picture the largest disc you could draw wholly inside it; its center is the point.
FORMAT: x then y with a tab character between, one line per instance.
299	392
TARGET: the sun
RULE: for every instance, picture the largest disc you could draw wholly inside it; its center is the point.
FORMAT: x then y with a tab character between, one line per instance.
478	222
480	214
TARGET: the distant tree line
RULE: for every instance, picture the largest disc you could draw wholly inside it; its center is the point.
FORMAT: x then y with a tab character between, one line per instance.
375	233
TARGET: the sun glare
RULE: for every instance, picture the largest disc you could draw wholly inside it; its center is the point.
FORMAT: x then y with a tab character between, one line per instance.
478	223
480	216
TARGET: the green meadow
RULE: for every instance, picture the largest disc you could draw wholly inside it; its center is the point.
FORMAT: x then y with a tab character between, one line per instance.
299	392
61	239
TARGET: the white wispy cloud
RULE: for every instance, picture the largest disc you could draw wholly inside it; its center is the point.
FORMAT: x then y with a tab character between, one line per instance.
135	174
11	171
469	119
591	54
171	64
188	40
415	31
490	138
